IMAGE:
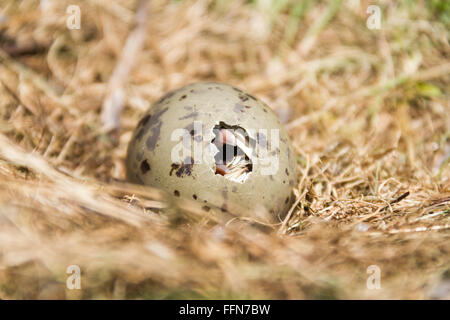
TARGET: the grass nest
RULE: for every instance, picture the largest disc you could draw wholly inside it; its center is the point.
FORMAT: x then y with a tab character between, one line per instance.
367	111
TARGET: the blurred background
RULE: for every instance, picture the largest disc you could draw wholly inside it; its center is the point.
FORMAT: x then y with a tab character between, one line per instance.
361	86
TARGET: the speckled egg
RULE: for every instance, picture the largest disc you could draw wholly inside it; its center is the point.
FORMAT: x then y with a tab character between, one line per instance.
218	145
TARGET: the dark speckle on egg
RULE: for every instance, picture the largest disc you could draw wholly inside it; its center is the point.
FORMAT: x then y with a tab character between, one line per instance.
193	114
145	167
167	96
143	122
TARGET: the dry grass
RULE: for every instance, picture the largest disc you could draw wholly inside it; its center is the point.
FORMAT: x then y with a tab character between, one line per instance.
367	110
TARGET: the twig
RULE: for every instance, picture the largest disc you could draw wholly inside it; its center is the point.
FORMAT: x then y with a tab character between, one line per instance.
283	229
114	100
409	230
30	48
308	41
403	196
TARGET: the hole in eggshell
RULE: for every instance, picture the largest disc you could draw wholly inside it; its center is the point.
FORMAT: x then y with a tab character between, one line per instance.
232	159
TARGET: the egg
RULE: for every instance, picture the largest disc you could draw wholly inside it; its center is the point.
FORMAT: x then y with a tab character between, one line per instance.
215	144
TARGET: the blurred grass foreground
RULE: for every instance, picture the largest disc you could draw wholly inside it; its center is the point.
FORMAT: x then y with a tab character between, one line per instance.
362	91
